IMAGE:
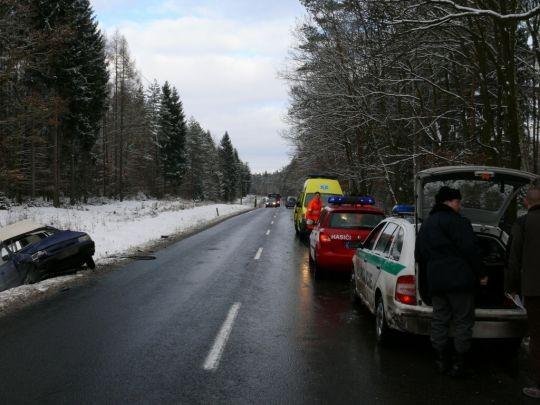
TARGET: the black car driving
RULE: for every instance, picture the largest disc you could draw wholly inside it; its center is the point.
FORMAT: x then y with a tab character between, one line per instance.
30	251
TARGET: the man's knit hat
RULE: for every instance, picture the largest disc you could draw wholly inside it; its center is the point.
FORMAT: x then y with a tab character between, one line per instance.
447	194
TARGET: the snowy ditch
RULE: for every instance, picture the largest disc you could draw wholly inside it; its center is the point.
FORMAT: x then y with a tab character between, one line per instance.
119	230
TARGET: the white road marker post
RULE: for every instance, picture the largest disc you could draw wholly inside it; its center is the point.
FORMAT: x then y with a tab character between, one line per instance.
214	356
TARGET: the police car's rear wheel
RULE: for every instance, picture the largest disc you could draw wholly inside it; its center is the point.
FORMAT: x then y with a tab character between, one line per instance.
381	328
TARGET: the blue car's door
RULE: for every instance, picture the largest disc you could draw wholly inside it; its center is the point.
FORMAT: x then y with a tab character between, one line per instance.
9	276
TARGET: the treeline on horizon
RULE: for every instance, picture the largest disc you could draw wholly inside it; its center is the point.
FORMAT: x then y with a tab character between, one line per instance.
381	89
76	120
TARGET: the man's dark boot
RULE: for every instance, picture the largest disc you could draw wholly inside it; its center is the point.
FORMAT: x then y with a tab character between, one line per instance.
458	366
442	361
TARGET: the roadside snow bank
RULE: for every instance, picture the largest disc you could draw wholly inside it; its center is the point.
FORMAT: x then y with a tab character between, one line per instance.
25	294
121	226
116	228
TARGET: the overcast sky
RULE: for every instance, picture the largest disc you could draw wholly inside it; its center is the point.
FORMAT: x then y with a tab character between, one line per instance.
223	56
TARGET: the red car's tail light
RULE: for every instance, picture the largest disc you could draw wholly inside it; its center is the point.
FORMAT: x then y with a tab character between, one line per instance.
324	238
406	290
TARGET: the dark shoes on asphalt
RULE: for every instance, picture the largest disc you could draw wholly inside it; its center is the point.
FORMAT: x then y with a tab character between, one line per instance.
443	361
453	367
458	369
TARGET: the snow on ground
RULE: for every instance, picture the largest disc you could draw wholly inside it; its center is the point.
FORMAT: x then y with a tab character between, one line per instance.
115	227
120	226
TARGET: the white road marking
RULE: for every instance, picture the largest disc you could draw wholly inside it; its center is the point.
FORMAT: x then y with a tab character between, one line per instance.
268	232
259	253
272	223
212	360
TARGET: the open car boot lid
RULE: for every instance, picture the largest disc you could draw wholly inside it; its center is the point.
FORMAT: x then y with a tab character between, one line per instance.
486	191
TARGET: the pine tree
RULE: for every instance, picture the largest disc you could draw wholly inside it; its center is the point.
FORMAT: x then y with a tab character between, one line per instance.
78	74
211	172
173	135
228	170
195	161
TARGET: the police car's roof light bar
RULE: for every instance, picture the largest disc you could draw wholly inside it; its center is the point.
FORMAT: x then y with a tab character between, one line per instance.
403	209
363	200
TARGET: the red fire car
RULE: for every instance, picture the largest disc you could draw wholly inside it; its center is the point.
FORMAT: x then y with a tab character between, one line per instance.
342	227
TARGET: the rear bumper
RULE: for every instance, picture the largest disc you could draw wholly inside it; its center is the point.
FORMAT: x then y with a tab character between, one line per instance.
489	324
333	261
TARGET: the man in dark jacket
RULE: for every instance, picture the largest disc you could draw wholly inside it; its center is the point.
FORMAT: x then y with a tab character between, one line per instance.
447	248
523	276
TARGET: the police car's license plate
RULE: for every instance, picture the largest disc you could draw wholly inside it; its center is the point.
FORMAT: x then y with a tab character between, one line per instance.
352	244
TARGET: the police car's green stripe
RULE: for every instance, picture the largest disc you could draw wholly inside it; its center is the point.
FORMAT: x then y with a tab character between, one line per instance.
386	265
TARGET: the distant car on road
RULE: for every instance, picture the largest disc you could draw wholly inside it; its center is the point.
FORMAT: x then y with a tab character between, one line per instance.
276	197
341	229
290	202
29	251
393	286
271	203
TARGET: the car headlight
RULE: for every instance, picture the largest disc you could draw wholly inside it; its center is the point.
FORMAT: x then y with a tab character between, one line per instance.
38	255
84	238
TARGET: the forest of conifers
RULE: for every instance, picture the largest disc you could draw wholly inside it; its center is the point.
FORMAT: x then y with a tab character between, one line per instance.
77	121
383	88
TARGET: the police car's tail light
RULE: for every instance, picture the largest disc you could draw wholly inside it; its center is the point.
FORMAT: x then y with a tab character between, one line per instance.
323	238
406	290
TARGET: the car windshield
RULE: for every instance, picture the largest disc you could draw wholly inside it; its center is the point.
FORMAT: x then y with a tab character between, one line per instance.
324	198
30	238
354	220
476	194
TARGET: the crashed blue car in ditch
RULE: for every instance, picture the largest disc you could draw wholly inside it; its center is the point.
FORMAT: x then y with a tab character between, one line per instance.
30	251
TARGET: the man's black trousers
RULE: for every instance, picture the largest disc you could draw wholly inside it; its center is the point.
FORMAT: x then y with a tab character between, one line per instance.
455	308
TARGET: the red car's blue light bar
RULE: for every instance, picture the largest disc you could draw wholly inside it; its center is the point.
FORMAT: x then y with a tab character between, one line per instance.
363	200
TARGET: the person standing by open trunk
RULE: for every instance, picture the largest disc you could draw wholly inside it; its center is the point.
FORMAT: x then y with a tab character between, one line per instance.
447	249
523	276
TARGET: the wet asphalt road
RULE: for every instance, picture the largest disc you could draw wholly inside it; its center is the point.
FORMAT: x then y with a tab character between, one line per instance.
143	334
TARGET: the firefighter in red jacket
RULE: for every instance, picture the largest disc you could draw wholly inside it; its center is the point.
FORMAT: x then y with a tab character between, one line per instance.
314	209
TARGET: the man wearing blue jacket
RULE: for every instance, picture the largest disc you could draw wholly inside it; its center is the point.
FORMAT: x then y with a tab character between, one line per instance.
447	249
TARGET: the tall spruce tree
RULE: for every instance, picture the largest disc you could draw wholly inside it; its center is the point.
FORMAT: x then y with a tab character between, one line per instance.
227	162
195	161
78	74
212	172
173	136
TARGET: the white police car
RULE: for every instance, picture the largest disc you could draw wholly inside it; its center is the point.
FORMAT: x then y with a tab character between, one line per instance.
386	277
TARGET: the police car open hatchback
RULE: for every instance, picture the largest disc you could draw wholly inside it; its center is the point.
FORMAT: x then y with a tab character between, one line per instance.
341	228
388	281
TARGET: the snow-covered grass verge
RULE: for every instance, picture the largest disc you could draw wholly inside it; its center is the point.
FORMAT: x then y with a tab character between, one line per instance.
117	228
121	226
25	294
